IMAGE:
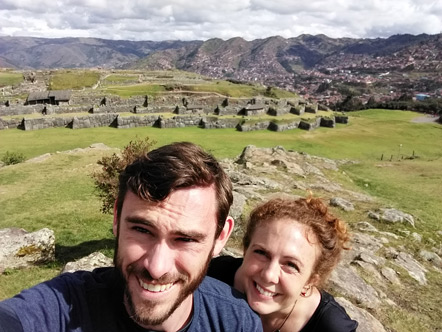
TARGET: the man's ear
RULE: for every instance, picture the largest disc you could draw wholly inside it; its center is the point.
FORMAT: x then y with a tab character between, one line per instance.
115	223
221	241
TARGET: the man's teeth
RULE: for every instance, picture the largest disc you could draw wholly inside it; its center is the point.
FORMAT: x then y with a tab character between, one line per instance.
155	287
264	292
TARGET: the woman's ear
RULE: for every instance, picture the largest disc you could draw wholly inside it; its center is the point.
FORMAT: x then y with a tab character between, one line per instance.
307	290
314	280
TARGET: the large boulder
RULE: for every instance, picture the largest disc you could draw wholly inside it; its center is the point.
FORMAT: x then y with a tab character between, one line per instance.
367	323
19	248
346	281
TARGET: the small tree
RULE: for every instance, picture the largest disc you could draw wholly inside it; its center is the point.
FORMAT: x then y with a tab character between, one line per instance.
106	180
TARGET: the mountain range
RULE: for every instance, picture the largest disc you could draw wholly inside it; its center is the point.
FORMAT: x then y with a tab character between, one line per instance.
301	64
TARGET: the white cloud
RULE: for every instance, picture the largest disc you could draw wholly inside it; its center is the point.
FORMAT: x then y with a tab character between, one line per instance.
204	19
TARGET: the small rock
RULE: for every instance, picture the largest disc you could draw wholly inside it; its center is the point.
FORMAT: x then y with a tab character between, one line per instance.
366	227
404	232
394	216
374	215
413	267
394	236
390	275
88	263
342	203
416	237
431	257
391	253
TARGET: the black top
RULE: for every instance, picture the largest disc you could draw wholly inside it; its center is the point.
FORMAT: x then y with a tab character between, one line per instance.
329	316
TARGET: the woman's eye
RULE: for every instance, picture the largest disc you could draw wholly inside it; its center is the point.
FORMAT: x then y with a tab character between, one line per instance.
293	266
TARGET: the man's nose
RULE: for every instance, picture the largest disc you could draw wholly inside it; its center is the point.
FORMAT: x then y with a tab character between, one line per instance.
159	260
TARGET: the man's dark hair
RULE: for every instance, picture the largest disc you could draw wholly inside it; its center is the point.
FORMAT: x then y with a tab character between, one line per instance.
154	176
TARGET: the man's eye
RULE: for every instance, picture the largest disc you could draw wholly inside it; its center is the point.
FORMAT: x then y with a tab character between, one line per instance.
185	239
140	229
260	252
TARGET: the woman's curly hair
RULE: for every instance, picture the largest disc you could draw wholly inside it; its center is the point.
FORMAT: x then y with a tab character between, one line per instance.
330	232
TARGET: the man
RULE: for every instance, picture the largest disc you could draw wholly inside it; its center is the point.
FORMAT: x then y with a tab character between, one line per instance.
170	218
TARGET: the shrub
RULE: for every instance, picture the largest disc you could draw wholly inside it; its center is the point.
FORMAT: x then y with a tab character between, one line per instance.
106	180
11	158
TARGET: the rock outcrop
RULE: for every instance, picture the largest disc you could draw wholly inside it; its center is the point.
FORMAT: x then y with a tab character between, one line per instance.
19	248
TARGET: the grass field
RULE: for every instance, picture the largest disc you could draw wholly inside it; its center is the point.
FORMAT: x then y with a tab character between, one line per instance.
8	78
58	193
73	79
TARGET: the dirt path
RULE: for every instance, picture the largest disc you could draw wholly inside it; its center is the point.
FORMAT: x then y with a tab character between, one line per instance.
425	119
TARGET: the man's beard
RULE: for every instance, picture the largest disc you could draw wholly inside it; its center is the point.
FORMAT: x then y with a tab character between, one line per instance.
144	313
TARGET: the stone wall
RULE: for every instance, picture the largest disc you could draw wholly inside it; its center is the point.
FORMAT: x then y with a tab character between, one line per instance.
328	122
274	126
216	123
179	121
137	121
45	122
341	119
10	123
253	126
21	109
310	124
112	109
298	110
95	120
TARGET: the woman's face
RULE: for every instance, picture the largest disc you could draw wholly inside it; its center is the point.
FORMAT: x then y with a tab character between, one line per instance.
277	265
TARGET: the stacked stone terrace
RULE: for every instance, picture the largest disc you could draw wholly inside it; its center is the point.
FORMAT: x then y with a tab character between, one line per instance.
169	110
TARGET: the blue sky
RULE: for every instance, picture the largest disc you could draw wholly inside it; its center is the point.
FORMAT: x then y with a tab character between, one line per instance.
205	19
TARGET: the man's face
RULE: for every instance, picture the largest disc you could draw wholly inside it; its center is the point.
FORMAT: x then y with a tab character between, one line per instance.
163	252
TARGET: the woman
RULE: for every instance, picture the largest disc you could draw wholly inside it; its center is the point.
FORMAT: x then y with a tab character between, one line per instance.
290	248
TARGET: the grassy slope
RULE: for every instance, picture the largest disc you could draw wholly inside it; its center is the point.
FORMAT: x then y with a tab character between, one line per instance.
8	78
63	182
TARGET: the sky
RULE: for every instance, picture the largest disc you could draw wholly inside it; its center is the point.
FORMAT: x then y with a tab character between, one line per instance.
204	19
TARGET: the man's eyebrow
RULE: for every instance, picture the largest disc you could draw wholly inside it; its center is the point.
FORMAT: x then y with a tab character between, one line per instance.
195	235
138	220
198	236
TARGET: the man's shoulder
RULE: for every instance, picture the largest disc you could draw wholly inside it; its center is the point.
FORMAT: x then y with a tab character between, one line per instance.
214	288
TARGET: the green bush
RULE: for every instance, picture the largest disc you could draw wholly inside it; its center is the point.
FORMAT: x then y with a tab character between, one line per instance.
11	158
106	180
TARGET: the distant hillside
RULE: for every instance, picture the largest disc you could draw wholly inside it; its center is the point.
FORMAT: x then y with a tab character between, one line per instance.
310	65
45	53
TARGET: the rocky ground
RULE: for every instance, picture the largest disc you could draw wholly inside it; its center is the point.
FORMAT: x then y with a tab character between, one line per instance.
377	263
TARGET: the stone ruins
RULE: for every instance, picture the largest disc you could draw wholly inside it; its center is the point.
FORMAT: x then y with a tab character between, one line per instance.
168	110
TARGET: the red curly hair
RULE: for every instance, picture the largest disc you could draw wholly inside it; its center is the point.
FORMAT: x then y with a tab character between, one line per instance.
330	232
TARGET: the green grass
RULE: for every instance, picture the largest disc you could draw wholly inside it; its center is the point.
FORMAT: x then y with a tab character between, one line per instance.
237	90
73	79
134	90
58	193
111	79
10	78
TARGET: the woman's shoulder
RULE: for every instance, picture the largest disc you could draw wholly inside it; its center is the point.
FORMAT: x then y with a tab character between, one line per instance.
330	316
224	268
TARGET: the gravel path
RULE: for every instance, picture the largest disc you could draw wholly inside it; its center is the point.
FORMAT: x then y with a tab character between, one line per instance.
425	119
